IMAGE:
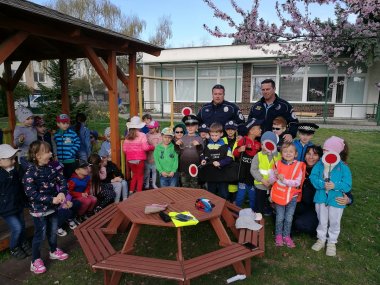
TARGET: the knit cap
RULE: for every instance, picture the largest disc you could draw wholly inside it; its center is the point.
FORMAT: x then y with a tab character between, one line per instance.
269	136
334	143
107	132
23	113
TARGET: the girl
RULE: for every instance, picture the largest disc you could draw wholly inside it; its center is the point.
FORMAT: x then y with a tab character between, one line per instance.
135	145
330	183
41	190
102	191
84	134
154	138
287	176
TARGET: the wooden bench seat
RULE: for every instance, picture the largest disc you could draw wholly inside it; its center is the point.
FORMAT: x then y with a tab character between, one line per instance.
168	269
306	114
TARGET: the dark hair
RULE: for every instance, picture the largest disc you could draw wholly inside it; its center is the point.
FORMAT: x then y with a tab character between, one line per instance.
344	153
132	134
316	149
216	127
35	147
95	160
147	116
218	86
79	119
269	81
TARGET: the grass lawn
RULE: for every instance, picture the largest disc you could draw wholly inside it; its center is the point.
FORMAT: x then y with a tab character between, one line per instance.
357	260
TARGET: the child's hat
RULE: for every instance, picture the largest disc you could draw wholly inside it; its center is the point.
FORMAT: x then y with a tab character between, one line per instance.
167	132
203	129
269	136
307	128
23	113
63	118
153	125
190	120
135	123
253	122
6	151
230	125
103	152
334	144
38	121
80	163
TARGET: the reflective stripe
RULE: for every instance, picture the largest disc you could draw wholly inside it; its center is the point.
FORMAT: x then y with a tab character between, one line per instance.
264	172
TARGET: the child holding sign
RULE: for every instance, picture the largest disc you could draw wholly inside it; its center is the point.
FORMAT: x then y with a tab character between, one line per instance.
331	178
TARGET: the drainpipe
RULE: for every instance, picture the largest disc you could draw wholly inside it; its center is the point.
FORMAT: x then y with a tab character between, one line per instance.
236	71
196	89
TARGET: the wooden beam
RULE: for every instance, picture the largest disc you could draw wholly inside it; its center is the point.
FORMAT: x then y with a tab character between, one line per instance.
122	77
113	108
19	72
64	86
97	64
10	99
10	45
132	84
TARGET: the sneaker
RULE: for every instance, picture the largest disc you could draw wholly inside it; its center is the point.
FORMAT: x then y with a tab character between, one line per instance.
58	254
61	232
97	209
279	241
154	186
72	224
77	220
18	253
331	249
27	248
38	266
318	245
289	242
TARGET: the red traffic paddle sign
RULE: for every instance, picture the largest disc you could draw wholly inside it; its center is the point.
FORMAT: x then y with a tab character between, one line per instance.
193	170
330	159
269	145
186	111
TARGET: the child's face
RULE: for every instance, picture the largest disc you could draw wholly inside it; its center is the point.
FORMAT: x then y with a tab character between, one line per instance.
28	122
153	130
104	160
191	129
289	153
166	140
278	129
255	131
178	133
63	125
215	136
147	121
7	163
82	172
41	129
43	156
305	138
230	133
204	135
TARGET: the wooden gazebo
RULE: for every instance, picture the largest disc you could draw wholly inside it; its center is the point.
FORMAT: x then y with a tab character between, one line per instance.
33	32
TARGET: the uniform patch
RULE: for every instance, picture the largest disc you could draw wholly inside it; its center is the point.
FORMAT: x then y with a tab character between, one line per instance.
258	108
207	110
294	115
241	117
225	109
67	141
278	107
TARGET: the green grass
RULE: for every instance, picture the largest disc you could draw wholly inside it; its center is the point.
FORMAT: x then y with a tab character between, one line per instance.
357	260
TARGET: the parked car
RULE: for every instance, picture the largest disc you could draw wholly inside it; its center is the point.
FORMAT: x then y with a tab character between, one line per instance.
35	101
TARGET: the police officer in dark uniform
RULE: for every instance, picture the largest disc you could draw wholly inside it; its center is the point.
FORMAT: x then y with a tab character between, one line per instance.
271	106
219	110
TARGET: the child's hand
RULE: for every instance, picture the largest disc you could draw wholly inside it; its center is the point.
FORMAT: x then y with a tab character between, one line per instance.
280	177
21	138
242	148
85	195
164	174
343	201
56	201
195	142
179	142
265	182
216	163
171	174
288	138
61	196
329	186
203	162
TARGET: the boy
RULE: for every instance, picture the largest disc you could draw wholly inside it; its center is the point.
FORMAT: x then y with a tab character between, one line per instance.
217	155
12	202
166	159
260	166
42	133
305	133
203	132
147	119
189	148
279	128
68	144
246	149
230	129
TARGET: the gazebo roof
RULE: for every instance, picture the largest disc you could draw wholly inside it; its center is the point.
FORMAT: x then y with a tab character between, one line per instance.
53	35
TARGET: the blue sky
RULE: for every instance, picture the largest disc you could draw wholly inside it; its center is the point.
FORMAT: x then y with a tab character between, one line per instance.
188	17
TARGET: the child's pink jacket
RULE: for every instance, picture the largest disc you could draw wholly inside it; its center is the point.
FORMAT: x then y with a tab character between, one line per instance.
136	149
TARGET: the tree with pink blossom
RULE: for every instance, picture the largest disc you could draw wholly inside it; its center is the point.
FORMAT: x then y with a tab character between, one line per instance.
350	39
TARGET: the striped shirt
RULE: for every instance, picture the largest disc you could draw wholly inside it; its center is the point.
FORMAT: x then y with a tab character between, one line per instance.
68	144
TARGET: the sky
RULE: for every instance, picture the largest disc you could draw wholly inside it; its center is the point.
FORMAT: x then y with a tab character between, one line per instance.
188	17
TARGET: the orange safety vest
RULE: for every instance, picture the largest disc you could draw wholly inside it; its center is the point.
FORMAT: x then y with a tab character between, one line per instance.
282	194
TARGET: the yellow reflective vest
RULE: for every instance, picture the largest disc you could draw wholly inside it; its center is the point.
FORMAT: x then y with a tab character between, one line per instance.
265	165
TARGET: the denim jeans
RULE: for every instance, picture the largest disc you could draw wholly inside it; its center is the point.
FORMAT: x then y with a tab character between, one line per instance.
16	225
284	217
242	190
218	188
44	226
168	181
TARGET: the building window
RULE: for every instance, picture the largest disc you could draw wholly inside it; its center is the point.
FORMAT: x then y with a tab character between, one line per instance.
184	84
39	76
260	73
317	88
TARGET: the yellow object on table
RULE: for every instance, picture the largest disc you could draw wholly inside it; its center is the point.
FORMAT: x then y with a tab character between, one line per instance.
178	223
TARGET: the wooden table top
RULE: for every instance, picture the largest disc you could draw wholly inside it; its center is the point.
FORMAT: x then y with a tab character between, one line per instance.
179	199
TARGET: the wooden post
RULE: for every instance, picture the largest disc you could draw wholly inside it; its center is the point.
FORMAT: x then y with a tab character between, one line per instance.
64	86
10	99
132	84
139	82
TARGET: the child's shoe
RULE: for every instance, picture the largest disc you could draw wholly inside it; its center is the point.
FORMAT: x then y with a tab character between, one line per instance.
279	241
72	224
154	186
319	244
61	232
77	220
18	253
331	249
38	266
58	254
289	242
26	248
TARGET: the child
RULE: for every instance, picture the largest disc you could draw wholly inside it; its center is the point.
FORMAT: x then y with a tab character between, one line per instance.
305	132
114	176
147	119
279	128
286	176
80	189
246	149
154	138
12	202
330	184
179	131
217	155
103	191
230	129
68	144
24	134
189	148
204	133
262	162
42	133
135	145
84	135
41	191
106	145
166	159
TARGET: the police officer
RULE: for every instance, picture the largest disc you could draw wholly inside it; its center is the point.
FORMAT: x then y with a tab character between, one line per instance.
271	106
219	110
